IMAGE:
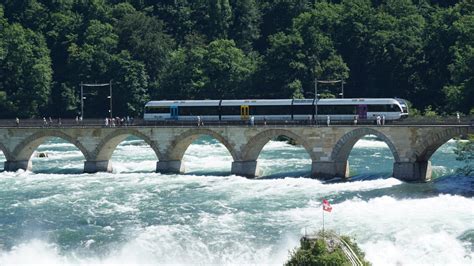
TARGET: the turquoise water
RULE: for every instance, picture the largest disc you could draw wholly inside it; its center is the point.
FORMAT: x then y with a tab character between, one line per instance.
57	215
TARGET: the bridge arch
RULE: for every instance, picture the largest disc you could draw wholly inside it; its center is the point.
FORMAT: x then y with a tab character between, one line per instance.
25	149
344	145
108	144
6	152
433	141
181	143
255	145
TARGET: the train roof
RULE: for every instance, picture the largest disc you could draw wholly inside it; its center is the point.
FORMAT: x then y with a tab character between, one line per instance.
357	101
257	102
184	103
309	101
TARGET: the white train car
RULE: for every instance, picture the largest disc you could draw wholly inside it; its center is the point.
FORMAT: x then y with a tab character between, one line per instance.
187	110
364	109
271	109
277	109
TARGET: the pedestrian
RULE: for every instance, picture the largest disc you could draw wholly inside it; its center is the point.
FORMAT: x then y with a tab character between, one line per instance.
355	120
378	120
265	120
17	121
252	121
106	122
45	123
50	121
458	117
310	118
128	120
59	122
328	120
383	119
77	120
199	120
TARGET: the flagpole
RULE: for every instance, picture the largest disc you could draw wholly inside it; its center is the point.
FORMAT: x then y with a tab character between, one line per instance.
323	222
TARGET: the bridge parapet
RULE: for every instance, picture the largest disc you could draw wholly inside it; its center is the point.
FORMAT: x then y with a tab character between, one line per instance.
328	147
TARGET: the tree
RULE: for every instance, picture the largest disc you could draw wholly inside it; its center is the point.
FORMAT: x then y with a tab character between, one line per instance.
228	70
147	41
220	15
460	90
246	21
277	16
130	83
218	70
91	61
306	53
25	71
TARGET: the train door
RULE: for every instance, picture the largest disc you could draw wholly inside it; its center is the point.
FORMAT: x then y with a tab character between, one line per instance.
244	112
362	111
174	112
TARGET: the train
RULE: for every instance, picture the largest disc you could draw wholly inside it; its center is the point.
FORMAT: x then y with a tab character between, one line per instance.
277	109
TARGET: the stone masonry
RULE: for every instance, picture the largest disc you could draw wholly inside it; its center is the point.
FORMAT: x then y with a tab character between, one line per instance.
328	147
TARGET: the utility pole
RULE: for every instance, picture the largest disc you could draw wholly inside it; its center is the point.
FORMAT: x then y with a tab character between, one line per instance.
82	100
342	88
110	96
316	100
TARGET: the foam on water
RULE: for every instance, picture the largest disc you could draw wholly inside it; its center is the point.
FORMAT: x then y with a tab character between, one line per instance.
135	216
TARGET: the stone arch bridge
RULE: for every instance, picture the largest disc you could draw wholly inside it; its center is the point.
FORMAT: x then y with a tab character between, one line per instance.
328	147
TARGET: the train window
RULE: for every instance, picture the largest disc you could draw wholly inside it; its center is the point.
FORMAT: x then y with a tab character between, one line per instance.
303	109
336	109
384	108
270	110
198	110
157	109
230	110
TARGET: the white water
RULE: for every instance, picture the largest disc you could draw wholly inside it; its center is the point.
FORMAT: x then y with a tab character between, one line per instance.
148	218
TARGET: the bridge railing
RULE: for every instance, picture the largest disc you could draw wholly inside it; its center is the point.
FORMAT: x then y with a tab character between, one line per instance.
139	122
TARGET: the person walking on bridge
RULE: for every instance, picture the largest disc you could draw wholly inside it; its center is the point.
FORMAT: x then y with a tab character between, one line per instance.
17	121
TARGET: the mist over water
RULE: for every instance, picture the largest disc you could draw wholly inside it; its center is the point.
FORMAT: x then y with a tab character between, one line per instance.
57	215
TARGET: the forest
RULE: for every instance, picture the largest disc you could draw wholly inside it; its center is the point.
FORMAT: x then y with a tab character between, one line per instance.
419	50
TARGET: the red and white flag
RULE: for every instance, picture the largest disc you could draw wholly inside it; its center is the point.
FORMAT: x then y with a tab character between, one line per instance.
326	206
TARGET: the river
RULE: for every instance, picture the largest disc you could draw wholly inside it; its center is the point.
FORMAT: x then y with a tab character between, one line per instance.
57	215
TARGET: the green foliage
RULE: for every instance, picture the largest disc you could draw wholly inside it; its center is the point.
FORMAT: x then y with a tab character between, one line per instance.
324	250
316	253
429	112
419	50
25	71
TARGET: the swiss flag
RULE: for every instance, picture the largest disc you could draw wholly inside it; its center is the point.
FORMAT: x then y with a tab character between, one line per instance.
326	206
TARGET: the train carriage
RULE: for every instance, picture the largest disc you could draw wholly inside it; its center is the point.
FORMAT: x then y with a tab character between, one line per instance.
277	109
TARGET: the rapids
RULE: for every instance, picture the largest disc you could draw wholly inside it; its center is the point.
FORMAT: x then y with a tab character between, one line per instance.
58	215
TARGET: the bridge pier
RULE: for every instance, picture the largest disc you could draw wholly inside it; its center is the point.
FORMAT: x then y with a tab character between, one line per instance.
13	166
248	169
412	171
328	170
97	166
170	167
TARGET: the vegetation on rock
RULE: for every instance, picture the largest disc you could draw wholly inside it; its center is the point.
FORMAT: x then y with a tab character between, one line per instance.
325	248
